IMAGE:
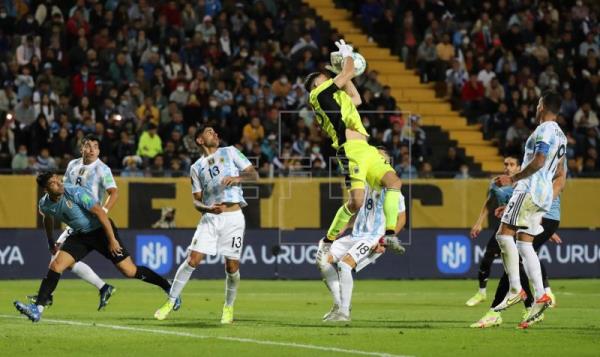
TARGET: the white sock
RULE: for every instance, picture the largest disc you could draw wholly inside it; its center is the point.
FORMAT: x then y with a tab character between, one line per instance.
346	285
548	290
41	308
231	284
181	278
531	263
510	259
332	281
86	273
483	291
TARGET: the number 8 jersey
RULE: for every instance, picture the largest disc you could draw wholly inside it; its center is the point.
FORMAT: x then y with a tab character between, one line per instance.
208	172
96	177
370	219
549	139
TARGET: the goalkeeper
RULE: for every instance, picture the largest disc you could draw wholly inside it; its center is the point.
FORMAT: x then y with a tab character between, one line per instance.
334	101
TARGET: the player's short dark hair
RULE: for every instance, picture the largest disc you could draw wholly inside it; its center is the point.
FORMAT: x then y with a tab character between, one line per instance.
552	101
514	157
43	178
310	80
201	129
90	137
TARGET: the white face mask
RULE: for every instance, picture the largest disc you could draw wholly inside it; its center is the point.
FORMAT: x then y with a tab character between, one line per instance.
284	80
2	14
213	103
180	88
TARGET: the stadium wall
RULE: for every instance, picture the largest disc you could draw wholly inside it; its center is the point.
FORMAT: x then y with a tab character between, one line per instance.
294	203
431	253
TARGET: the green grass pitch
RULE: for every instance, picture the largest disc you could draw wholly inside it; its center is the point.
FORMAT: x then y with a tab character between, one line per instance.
283	318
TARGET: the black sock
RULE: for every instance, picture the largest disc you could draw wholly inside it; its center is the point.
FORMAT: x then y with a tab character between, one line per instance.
47	287
484	269
544	276
525	284
150	277
501	290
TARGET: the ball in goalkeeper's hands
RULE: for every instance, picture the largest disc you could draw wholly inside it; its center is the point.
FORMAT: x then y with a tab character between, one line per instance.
360	63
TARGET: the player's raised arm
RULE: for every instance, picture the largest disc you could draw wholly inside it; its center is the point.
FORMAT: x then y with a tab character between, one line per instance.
351	90
347	72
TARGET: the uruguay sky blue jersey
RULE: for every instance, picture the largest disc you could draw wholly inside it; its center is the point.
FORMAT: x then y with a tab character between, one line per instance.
501	194
208	172
73	209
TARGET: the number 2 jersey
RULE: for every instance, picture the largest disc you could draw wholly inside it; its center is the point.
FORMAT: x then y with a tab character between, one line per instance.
548	139
96	177
370	219
208	172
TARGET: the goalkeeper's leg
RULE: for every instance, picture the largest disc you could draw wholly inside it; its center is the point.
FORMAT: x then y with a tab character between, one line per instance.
344	213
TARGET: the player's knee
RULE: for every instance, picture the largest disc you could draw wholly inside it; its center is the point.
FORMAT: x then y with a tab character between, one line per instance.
194	260
355	203
56	266
231	266
129	271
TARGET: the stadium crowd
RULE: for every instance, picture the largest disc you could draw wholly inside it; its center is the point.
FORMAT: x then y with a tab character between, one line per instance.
144	75
494	68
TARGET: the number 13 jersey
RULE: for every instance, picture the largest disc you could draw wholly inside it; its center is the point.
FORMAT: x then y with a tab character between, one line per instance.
207	174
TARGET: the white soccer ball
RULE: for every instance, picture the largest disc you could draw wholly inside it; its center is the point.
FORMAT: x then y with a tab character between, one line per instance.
360	63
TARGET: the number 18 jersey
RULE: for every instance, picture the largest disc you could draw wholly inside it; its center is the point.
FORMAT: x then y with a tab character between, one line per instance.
549	139
208	172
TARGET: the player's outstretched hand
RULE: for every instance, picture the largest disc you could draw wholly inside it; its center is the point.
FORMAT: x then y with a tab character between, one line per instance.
556	238
503	180
344	49
475	231
230	181
115	248
499	211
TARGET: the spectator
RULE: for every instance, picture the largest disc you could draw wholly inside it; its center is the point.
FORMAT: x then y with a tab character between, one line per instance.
121	72
456	77
20	161
132	167
27	50
516	135
472	96
585	118
426	59
45	162
405	169
150	143
463	172
253	132
451	164
148	112
83	83
25	113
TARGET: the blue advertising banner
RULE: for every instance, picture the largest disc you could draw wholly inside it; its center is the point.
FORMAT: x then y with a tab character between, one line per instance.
433	253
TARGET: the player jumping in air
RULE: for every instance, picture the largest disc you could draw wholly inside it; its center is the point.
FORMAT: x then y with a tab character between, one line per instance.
498	196
550	223
356	250
89	172
217	193
532	199
334	101
91	230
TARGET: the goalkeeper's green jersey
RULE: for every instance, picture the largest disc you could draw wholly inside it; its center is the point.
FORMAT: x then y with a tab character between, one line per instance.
335	112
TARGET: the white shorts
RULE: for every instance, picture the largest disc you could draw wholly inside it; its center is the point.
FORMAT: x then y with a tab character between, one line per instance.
357	248
522	213
220	234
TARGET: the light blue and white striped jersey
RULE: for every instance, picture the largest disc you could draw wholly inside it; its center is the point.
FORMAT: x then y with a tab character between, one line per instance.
73	209
554	212
208	172
96	177
370	219
549	139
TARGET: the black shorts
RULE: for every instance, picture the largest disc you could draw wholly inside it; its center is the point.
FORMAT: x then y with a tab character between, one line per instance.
550	226
492	247
78	245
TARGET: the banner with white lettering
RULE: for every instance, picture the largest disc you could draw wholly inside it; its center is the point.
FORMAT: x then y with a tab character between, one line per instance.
268	254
